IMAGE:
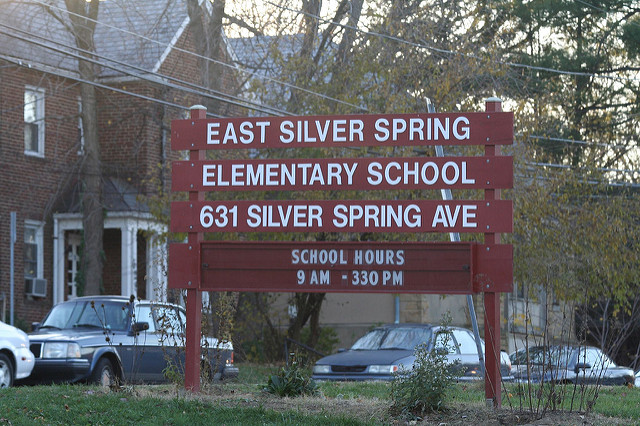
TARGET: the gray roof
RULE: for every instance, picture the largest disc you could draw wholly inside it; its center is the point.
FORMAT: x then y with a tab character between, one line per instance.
258	53
137	32
262	57
117	196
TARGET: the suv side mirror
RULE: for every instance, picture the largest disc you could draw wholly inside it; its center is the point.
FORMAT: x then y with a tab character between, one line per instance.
137	327
441	350
35	326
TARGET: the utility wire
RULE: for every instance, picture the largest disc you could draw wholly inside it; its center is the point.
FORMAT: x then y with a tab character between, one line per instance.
255	106
233	100
212	60
235	68
451	52
101	86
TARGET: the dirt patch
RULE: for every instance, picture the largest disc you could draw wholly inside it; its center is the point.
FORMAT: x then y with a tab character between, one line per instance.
372	410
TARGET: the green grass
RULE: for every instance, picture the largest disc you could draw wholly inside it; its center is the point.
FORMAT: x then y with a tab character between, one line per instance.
354	390
611	401
78	404
244	402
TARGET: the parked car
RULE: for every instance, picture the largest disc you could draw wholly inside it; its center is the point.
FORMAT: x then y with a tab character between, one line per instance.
16	360
568	364
103	338
387	349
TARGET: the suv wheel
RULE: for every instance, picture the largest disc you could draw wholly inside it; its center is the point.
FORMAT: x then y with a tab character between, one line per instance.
103	374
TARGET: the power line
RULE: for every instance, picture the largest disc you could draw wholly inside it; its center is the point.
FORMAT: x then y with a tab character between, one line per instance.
225	97
69	76
451	52
199	87
572	141
212	60
568	166
143	77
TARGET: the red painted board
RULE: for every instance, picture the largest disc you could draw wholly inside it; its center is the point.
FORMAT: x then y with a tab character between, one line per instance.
343	174
184	266
343	267
342	216
494	268
468	128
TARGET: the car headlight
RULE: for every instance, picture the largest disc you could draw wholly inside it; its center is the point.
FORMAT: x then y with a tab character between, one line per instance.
321	369
61	350
383	369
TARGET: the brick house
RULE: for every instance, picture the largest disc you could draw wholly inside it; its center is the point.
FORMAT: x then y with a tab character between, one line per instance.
141	48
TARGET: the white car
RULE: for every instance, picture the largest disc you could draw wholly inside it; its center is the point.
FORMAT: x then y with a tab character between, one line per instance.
16	360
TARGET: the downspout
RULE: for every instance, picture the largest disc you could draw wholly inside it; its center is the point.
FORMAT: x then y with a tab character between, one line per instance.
56	262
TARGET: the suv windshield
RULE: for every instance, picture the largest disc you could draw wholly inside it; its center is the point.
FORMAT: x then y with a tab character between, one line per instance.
75	314
394	338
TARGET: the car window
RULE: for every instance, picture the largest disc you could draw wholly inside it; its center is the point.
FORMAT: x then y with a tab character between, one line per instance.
109	315
369	341
168	320
466	342
405	338
143	314
553	356
444	340
596	358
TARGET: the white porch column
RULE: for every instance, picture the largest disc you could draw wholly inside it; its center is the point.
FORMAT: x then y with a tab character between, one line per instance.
129	252
58	262
156	267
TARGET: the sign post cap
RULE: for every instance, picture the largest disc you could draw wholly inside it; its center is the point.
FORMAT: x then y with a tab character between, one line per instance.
198	112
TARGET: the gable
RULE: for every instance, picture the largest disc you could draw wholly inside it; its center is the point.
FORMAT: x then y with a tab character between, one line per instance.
136	32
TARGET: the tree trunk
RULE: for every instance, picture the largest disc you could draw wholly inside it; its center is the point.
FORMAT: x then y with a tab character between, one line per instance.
206	26
83	16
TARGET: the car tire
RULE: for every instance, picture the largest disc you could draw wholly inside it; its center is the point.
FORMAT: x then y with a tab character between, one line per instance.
6	372
104	374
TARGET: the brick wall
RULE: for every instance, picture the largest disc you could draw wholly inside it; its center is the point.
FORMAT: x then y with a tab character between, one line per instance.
31	185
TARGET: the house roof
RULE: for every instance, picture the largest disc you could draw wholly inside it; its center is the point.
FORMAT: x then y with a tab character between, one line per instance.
136	32
118	196
258	53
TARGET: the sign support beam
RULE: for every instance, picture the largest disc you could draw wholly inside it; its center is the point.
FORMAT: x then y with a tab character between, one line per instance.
492	379
194	294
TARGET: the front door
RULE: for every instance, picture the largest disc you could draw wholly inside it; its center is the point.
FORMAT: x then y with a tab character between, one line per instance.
73	263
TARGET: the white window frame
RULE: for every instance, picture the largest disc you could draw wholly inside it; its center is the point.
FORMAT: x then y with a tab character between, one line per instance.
39	118
38	228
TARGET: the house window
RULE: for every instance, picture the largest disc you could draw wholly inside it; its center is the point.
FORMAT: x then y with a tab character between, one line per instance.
34	121
33	257
520	291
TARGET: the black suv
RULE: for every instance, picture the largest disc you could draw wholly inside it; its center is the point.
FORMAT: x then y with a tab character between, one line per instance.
101	339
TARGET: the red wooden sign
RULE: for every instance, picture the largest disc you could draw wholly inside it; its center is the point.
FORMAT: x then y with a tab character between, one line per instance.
342	216
343	174
349	267
472	128
337	267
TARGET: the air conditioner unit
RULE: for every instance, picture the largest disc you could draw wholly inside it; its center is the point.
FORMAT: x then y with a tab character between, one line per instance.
36	287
